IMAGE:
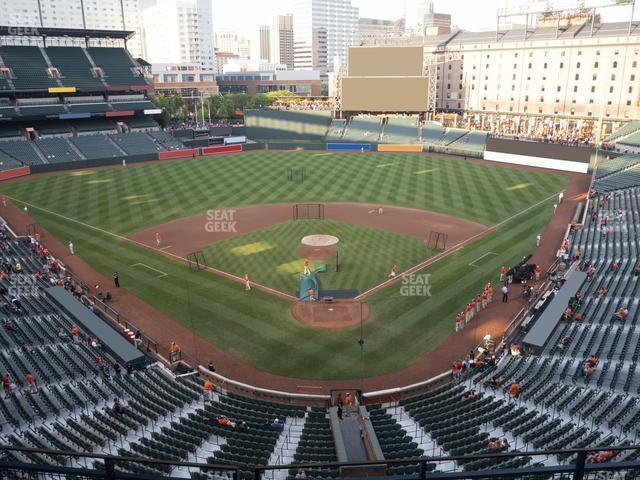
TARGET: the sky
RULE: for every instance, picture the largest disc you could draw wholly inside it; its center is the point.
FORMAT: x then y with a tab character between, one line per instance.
467	14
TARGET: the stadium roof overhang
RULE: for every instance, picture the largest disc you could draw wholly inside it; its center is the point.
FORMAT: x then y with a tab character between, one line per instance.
15	31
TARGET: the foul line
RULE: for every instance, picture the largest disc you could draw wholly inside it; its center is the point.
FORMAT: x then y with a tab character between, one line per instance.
445	253
162	274
221	273
283	295
481	256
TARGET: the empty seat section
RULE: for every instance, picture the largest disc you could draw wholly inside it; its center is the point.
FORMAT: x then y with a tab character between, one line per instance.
136	143
21	150
95	146
57	150
29	67
117	66
75	68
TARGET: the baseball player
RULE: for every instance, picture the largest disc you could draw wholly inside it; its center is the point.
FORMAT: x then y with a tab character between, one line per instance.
394	271
307	270
157	239
247	282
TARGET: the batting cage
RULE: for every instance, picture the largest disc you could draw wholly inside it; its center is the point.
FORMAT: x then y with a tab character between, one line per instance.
196	261
308	211
437	240
297	175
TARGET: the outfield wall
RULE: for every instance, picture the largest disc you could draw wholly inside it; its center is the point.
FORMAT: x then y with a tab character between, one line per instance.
399	148
14	173
353	147
568	158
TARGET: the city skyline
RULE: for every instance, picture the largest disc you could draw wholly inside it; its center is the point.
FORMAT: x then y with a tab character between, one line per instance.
466	14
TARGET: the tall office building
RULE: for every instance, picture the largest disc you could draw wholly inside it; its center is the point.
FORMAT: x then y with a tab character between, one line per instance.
322	31
282	40
265	42
89	14
179	31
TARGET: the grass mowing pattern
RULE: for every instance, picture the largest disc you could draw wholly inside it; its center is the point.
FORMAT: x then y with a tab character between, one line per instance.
257	327
269	255
127	199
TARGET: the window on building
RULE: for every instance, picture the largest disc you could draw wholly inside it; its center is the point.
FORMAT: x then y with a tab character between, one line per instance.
530	66
594	77
577	77
595	65
526	98
591	100
593	88
561	64
634	64
632	77
613	77
449	67
575	88
558	88
630	89
610	89
578	65
628	103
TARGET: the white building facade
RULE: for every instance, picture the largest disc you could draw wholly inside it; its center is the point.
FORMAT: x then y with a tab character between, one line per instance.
80	14
317	23
180	32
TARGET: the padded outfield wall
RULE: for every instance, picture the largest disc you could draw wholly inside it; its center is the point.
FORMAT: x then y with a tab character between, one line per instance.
270	124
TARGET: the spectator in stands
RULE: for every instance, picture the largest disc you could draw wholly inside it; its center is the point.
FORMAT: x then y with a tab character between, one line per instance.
601	457
117	370
602	292
593	361
175	352
31	382
300	475
75	333
590	271
8	326
470	395
621	314
210	367
129	369
587	370
137	338
6	385
119	407
615	266
636	271
494	443
505	443
208	389
568	314
62	335
514	390
277	425
226	422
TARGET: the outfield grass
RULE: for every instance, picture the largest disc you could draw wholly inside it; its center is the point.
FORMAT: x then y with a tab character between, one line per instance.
269	255
127	199
401	329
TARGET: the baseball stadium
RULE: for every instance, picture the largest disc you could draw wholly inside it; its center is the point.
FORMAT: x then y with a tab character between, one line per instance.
367	290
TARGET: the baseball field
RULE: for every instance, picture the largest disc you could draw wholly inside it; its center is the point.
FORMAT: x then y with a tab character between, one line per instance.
492	213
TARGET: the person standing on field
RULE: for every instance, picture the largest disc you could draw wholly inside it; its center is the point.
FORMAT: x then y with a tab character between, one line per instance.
71	250
116	279
157	240
247	282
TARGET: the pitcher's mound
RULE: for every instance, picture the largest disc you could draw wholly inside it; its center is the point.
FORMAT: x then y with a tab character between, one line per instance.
331	315
317	253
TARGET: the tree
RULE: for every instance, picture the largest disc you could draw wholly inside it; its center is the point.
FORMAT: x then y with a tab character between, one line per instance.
173	107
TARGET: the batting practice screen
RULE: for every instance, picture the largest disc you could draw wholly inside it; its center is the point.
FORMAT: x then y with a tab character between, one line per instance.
308	211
